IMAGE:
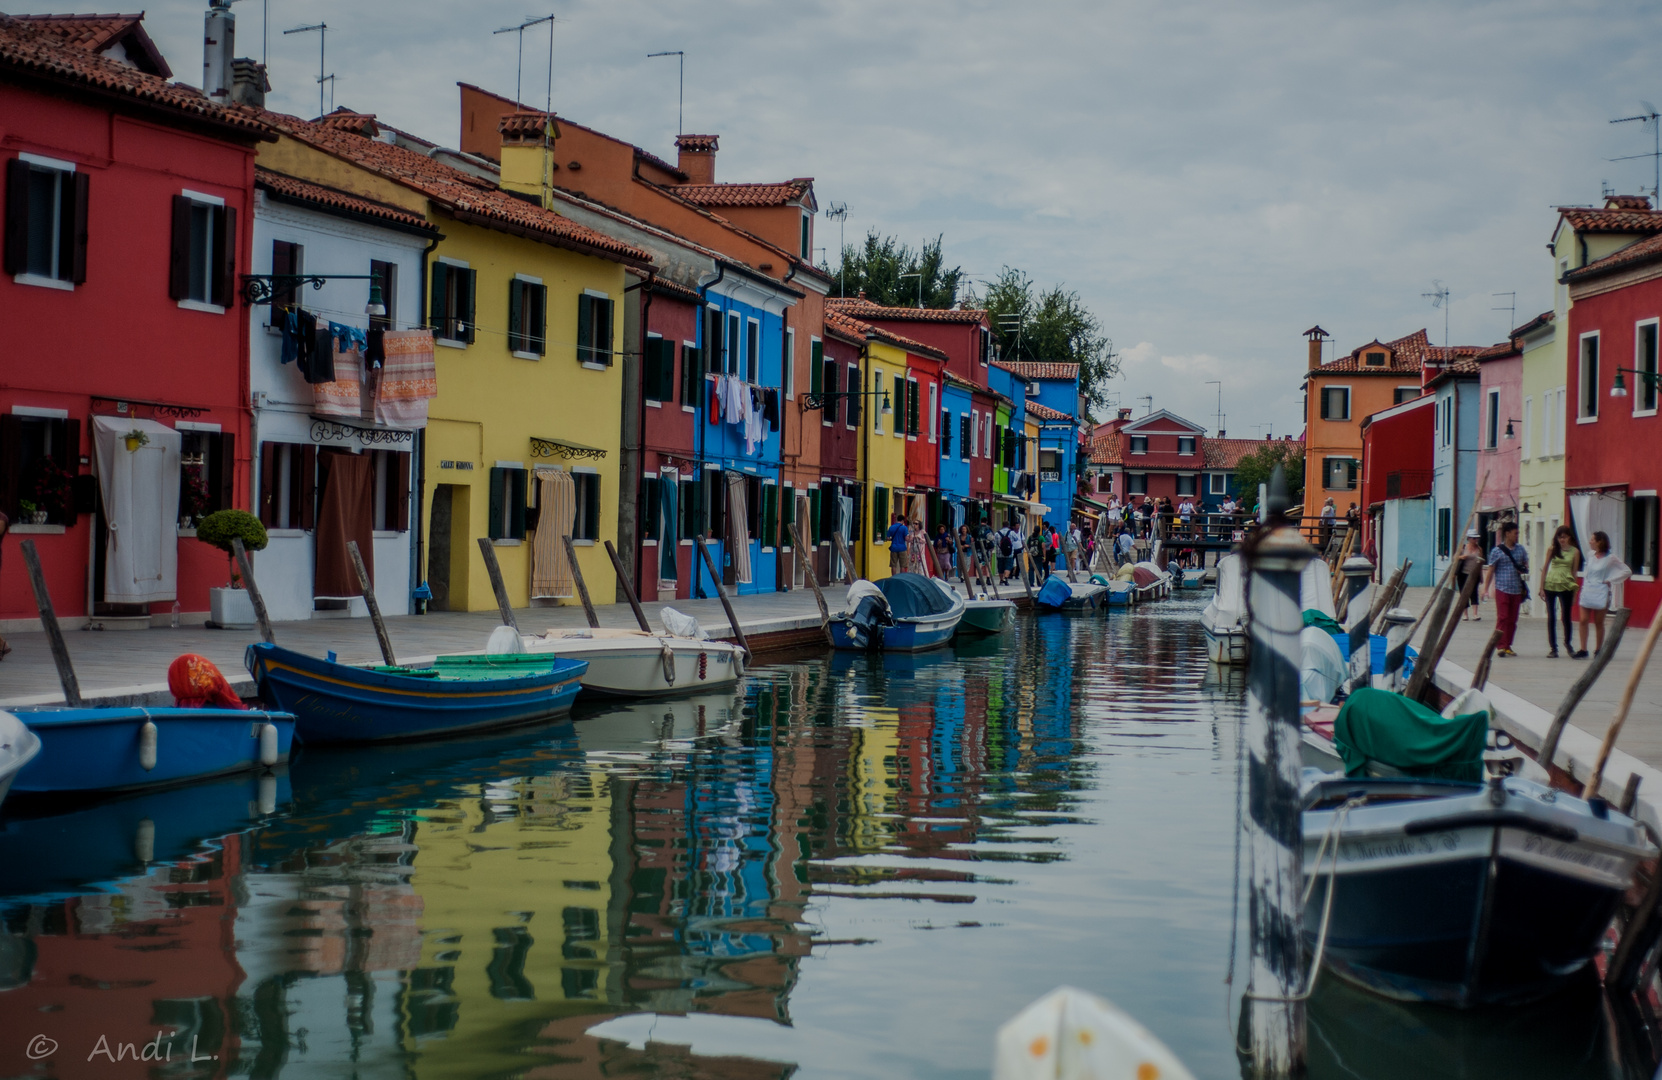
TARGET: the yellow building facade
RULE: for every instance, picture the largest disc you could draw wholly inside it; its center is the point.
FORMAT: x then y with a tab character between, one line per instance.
883	459
510	291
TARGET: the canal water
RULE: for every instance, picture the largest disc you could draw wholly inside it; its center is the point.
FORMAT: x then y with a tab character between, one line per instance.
854	867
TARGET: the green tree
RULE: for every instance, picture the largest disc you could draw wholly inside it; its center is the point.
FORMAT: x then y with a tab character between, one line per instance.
1052	326
882	267
1255	468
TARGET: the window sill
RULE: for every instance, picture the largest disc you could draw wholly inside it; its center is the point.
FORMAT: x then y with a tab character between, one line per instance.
385	534
1643	412
521	354
191	533
688	409
651	404
198	305
1642	577
649	541
286	534
1586	419
592	366
505	542
449	343
37	530
43	282
579	543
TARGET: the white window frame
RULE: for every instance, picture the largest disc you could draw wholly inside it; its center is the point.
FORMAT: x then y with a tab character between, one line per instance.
1582	398
1133	444
1131	479
1639	381
41	280
202	198
454	343
1217	483
1193	443
878	408
685	345
1525	450
1563	421
1194	484
911	381
1345	419
934	410
1491	428
757	359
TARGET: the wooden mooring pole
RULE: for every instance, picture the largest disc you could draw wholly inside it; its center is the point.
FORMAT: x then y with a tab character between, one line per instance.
247	567
49	621
721	594
582	586
1274	1005
628	588
368	589
494	569
812	579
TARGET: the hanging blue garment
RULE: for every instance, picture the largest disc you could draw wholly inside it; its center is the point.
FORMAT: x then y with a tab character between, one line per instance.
348	338
291	336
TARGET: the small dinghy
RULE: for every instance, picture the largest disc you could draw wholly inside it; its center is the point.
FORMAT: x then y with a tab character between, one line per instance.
1152	583
987	616
902	613
335	702
636	664
1224	617
1060	594
18	747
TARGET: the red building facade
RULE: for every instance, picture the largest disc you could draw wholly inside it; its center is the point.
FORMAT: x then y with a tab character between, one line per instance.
1612	472
128	222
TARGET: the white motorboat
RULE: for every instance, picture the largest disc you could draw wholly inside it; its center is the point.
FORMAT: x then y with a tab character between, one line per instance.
18	747
1224	617
636	664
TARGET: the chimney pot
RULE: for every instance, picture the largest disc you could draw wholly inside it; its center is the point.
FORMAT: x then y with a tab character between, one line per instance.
219	34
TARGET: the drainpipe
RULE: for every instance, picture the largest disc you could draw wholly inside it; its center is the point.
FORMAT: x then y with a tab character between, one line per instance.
633	554
418	573
866	488
703	399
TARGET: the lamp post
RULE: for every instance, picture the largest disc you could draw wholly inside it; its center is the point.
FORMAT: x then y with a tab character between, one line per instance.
1619	389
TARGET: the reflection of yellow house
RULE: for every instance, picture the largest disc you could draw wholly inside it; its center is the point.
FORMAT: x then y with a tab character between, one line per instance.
526	306
883	465
872	778
515	886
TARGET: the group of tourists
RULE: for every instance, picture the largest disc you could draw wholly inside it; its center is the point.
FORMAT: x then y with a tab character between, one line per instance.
1005	548
1505	580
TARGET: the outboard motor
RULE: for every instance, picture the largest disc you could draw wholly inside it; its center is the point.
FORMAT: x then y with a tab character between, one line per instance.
867	620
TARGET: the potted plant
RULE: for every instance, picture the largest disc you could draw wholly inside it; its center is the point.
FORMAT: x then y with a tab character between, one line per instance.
32	514
54	489
135	439
193	496
230	608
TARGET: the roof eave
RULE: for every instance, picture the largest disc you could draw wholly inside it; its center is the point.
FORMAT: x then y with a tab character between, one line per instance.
485	221
171	115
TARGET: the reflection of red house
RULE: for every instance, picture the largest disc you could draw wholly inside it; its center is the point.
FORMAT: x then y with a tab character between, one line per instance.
128	221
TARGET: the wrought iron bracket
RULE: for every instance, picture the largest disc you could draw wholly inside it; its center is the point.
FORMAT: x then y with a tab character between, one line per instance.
261	288
549	448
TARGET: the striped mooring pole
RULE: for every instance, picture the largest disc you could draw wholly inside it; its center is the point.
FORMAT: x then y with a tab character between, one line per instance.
1358	573
1275	837
1399	624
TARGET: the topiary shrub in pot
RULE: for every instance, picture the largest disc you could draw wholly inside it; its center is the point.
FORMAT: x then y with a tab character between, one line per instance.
230	607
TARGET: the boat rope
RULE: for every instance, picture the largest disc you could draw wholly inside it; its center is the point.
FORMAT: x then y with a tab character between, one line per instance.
1331	835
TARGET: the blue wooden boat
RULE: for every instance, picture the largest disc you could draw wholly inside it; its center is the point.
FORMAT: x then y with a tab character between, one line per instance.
334	702
1060	594
18	747
901	613
126	748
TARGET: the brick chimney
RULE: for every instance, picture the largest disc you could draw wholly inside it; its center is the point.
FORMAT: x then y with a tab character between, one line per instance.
697	157
1125	414
1316	335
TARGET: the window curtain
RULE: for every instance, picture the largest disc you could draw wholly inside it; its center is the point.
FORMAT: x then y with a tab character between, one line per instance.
140	491
1605	512
551	576
346	512
738	528
669	522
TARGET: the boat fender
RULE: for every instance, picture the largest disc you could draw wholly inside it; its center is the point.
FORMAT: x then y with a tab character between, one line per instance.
703	666
667	655
147	745
144	840
268	744
268	794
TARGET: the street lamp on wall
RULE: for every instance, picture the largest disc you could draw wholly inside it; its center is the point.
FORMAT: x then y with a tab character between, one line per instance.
1619	389
1511	434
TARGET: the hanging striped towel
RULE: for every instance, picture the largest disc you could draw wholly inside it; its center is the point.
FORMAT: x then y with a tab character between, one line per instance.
738	528
408	379
344	396
551	575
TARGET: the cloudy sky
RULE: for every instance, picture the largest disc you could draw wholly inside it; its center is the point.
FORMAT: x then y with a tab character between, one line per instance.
1212	178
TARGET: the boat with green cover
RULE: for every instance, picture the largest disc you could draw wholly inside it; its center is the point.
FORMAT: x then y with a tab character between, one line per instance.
987	617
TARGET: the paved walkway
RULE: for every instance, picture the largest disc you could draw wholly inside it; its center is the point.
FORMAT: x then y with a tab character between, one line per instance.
137	660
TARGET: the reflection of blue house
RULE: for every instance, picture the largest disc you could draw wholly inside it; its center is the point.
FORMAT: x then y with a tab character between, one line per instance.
955	464
1053	403
741	347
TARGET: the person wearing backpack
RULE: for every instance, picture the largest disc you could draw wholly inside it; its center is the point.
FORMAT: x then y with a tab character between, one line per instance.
1506	578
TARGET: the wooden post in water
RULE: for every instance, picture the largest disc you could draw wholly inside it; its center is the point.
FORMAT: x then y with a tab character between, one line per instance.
1578	689
488	550
582	586
966	566
1634	674
1425	668
1275	1007
849	575
628	588
368	590
721	593
1358	579
813	581
247	567
54	633
1399	628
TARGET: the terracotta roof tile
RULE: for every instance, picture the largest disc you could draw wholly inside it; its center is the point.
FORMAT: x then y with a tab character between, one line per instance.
524	125
461	194
1407	356
744	194
28	50
1227	453
1027	369
1045	412
857	330
344	119
698	143
1588	219
1644	251
865	309
329	198
958	381
94	33
1105	449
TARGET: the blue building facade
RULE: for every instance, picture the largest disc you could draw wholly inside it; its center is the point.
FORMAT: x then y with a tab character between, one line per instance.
955	455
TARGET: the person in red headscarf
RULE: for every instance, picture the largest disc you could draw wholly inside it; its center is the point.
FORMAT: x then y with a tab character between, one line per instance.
196	683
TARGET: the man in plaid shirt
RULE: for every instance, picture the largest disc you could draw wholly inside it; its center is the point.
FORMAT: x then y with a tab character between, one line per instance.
1504	579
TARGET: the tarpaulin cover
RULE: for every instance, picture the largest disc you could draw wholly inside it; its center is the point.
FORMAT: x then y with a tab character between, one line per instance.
1376	725
1322	620
1142	575
913	596
1055	593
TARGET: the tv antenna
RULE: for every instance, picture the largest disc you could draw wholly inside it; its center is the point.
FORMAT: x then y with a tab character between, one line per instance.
1512	306
1439	299
681	94
322	52
1649	118
839	214
548	98
1219	384
1148	399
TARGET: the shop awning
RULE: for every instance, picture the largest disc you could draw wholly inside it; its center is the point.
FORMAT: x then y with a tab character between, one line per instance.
1030	507
1080	500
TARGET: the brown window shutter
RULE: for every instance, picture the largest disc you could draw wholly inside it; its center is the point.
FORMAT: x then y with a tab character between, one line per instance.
225	256
68	455
308	487
223	480
17	217
398	490
178	274
11	462
267	509
76	226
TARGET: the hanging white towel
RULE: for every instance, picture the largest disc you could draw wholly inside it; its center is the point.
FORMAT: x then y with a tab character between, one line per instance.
140	490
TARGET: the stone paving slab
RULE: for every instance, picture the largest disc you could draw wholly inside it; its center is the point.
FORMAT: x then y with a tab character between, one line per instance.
130	666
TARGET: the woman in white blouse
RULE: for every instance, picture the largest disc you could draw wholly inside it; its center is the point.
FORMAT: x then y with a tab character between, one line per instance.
1602	571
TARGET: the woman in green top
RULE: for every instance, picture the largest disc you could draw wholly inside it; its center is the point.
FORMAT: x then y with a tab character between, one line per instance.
1558	583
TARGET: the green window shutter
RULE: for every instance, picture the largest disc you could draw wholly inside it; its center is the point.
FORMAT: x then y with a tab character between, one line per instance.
585	329
539	319
516	313
603	330
879	512
692	375
435	303
469	279
493	526
770	515
516	503
816	364
649	508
